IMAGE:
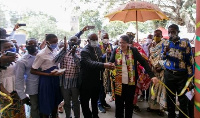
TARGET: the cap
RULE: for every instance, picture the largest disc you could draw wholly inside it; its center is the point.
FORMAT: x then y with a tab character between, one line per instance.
3	34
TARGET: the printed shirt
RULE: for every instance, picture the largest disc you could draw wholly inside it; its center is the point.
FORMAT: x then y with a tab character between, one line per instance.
179	57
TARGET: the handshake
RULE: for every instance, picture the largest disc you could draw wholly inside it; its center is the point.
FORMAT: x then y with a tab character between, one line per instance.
109	65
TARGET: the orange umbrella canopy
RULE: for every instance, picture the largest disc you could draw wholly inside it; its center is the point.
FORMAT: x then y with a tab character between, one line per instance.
136	11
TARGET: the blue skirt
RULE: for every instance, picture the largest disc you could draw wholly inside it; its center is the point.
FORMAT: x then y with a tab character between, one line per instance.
49	92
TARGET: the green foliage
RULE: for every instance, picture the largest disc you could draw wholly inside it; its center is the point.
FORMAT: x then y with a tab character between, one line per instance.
116	28
14	17
91	18
3	21
37	25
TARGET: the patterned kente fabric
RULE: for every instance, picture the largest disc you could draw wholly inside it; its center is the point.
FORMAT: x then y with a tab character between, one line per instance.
144	80
16	110
130	67
159	99
103	47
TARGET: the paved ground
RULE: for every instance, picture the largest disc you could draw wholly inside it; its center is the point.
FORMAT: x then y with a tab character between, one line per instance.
111	112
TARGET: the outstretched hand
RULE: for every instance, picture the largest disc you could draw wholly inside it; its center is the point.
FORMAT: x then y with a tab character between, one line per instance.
109	65
16	26
85	28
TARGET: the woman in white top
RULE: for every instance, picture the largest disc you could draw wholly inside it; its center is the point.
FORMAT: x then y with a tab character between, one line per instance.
49	90
7	85
126	59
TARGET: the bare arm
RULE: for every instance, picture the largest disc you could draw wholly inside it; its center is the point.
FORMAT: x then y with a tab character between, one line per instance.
37	72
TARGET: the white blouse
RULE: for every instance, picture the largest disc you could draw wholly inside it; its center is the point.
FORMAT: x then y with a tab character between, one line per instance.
7	78
124	70
44	59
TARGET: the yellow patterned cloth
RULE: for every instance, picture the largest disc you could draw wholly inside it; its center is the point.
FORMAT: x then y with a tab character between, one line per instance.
130	67
16	110
159	100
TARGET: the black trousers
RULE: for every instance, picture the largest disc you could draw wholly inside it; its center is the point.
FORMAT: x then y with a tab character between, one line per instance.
85	96
127	98
176	82
102	95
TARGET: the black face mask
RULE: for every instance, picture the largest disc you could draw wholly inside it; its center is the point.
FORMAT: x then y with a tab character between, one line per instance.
32	49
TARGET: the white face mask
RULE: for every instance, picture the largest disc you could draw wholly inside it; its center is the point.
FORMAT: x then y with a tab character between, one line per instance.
106	41
93	43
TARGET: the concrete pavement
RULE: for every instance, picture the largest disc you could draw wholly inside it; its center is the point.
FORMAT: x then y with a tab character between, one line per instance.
110	113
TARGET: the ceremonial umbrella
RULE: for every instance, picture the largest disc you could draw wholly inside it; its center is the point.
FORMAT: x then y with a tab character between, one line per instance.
136	11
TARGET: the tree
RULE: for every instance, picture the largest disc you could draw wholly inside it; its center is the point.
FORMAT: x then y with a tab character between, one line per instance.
39	24
116	28
3	21
14	17
179	11
91	17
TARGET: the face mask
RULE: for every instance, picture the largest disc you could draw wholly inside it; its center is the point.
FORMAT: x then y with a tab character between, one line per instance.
93	43
53	46
156	39
32	49
72	44
106	41
11	49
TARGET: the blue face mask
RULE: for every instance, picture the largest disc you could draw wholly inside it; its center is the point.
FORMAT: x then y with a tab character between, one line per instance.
53	46
11	49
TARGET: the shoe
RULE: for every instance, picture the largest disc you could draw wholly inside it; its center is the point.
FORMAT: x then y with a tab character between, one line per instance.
107	106
149	109
60	109
136	109
101	109
95	116
141	99
161	113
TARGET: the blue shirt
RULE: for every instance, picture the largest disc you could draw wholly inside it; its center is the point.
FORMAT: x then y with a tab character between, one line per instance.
179	57
23	67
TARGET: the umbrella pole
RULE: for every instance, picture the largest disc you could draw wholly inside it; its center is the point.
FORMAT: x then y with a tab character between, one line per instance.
136	26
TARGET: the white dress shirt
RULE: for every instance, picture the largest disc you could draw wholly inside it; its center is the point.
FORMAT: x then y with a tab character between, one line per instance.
23	76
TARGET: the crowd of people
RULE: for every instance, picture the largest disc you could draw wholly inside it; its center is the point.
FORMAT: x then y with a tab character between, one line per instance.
52	76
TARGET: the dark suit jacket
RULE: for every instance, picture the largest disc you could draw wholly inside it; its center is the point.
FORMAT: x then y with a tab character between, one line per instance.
91	67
